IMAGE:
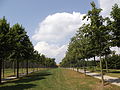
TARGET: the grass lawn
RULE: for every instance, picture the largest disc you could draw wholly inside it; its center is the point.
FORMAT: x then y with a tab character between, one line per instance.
10	72
56	79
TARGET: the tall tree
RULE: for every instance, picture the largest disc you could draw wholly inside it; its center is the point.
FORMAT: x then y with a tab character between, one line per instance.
115	15
18	38
4	47
99	31
27	51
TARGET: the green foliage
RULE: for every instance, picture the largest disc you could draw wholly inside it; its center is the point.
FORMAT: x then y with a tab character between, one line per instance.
115	26
4	43
15	46
113	62
91	39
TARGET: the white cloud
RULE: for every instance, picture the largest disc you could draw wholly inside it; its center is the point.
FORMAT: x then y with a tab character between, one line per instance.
58	27
106	5
56	30
116	49
54	33
51	50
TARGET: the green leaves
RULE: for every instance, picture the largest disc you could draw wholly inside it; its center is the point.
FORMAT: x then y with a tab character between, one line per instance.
93	39
115	25
4	29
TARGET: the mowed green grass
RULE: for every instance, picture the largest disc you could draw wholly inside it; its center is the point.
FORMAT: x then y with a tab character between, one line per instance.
56	79
10	72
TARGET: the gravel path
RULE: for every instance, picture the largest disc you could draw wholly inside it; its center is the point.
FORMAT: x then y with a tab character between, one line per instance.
112	80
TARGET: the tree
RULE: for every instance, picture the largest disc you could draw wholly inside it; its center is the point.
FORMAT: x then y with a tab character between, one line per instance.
15	46
18	40
4	44
100	32
113	62
115	15
28	51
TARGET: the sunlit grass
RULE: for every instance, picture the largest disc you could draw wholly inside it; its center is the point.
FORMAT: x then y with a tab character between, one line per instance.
56	79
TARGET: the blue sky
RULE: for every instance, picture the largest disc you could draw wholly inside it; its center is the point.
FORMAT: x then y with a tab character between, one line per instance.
30	12
50	23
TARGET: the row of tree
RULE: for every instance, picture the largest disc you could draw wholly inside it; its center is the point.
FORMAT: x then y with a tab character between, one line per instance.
94	39
16	47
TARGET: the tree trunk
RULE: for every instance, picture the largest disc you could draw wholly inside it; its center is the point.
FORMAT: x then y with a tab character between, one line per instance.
94	64
27	67
106	63
22	68
32	68
0	71
115	66
78	67
3	69
17	69
87	64
38	67
106	66
14	67
102	78
84	67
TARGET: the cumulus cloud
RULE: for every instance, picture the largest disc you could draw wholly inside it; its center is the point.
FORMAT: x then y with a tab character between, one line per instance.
106	5
58	27
51	50
54	33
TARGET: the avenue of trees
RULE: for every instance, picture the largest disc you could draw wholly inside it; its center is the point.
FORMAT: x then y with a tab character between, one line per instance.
95	40
17	51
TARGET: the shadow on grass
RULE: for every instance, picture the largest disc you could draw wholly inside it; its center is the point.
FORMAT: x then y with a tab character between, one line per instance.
22	83
114	71
114	80
33	77
18	87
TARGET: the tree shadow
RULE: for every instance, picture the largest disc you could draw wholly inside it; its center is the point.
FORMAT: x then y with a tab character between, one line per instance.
18	87
33	77
114	71
96	75
113	80
21	83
